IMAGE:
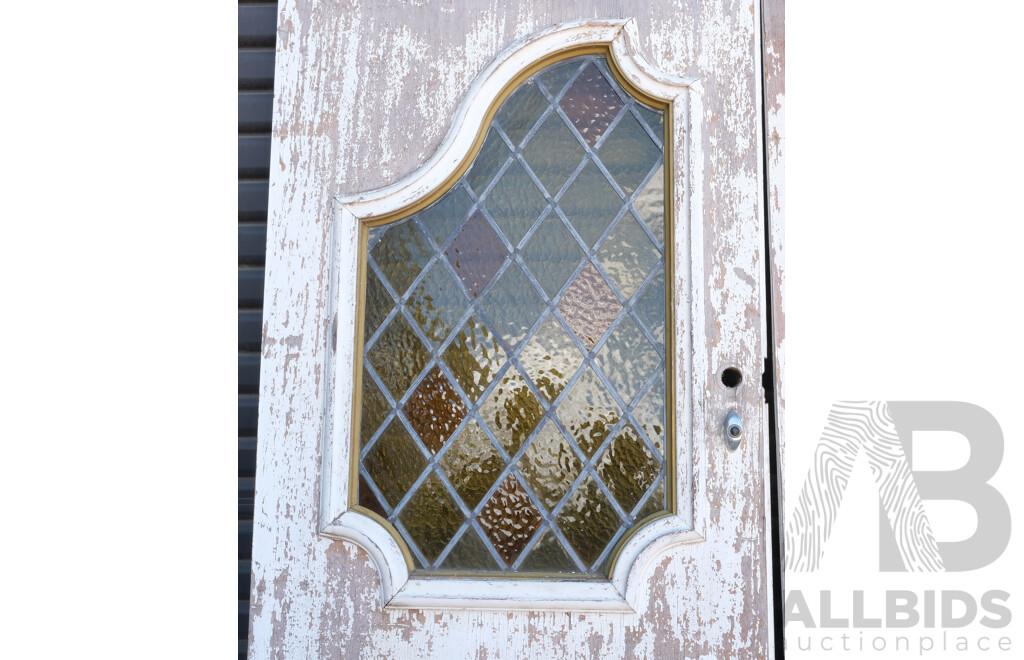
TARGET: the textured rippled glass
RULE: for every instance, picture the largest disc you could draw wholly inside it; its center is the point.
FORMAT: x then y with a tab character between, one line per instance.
513	404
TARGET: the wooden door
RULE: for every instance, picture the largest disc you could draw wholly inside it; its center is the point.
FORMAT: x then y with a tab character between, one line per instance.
382	112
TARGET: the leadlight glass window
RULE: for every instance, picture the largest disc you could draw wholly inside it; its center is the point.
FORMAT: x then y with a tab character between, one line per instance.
513	380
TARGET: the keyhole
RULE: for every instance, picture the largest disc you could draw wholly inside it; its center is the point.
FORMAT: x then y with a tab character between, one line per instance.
732	377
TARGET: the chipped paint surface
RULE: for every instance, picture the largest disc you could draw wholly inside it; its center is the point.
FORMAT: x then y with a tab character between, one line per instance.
364	95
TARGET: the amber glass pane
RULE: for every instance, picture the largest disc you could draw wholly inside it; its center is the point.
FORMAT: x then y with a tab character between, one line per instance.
401	253
548	556
628	468
588	521
627	359
509	519
515	203
368	499
549	465
394	462
434	410
398	356
590	204
472	464
437	302
553	153
522	110
629	154
511	411
474	357
589	306
476	254
551	255
431	517
654	504
591	104
512	305
589	412
469	554
627	255
378	303
374	411
550	358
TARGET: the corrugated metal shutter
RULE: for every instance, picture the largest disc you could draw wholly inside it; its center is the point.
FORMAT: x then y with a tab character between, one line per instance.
257	27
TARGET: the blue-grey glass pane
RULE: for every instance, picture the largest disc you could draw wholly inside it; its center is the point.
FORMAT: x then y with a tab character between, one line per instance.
628	153
627	359
551	255
513	305
590	204
469	554
515	203
553	153
554	77
521	111
649	307
628	255
437	303
655	119
441	219
401	253
492	156
650	204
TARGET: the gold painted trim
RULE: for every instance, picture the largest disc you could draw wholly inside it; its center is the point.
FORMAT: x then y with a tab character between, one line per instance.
383	522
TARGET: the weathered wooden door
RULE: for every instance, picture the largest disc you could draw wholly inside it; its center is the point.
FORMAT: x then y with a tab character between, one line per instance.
515	331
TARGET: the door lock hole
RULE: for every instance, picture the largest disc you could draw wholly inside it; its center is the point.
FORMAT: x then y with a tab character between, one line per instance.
732	377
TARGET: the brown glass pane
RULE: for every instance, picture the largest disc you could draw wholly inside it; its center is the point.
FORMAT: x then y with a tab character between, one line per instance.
472	464
552	255
378	303
398	356
434	410
655	504
368	500
589	306
441	219
588	521
650	307
515	203
521	111
650	414
469	554
553	153
394	462
476	254
589	412
590	204
509	519
492	156
627	359
437	303
549	465
628	255
555	77
628	468
629	154
431	517
547	555
512	305
401	252
374	410
550	358
474	357
650	204
591	104
511	411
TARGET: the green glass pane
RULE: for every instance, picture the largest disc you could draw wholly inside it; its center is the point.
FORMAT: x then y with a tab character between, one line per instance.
628	468
394	462
521	111
555	77
441	219
437	303
655	120
434	410
627	359
511	411
378	303
589	412
588	521
553	153
492	156
589	306
472	464
431	518
474	357
628	153
551	255
374	410
650	414
650	307
469	554
655	504
515	203
398	356
548	556
628	255
650	204
590	204
549	465
591	104
401	253
509	519
512	305
476	254
550	358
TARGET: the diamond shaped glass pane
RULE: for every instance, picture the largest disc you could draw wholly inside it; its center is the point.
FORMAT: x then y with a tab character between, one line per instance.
628	255
394	462
474	357
552	255
555	77
549	465
437	302
401	252
590	204
398	356
588	521
476	254
515	203
512	305
509	519
374	410
650	414
547	555
591	104
649	307
378	304
589	412
431	518
553	153
627	359
492	156
441	219
368	500
628	468
650	204
589	306
472	464
521	111
434	410
550	358
655	503
469	554
628	153
511	411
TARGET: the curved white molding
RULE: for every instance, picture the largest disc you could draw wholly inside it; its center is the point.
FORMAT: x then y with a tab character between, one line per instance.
639	556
